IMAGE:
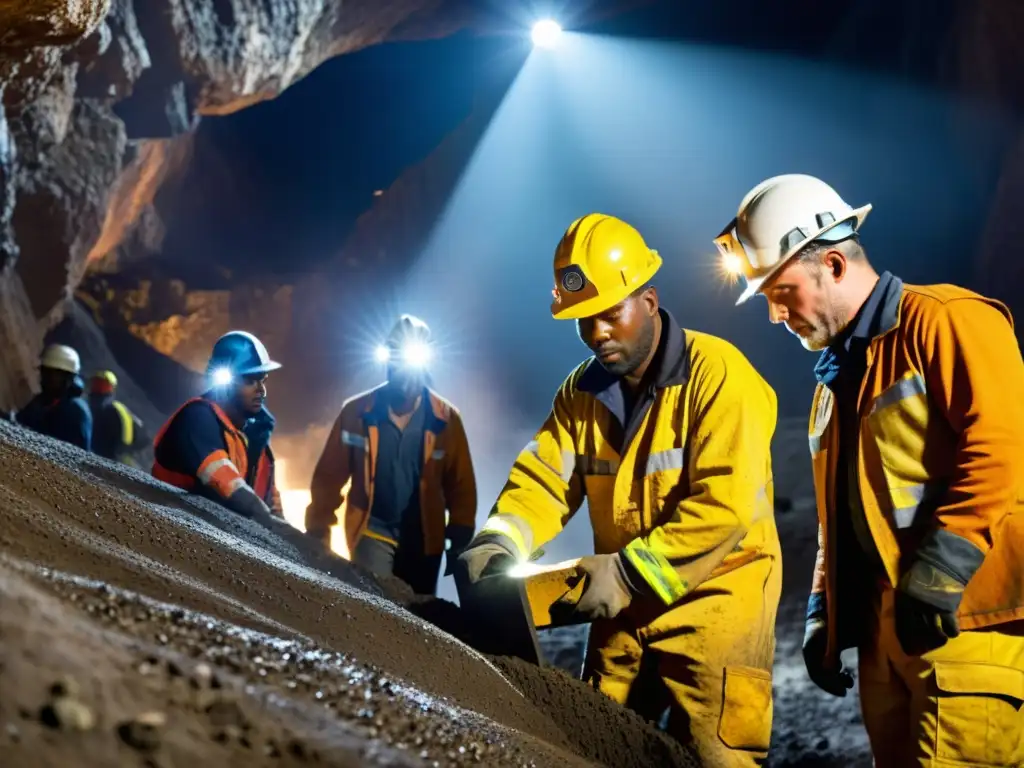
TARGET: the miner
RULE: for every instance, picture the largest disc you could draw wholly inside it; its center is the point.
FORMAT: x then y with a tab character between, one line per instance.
404	450
59	411
665	432
218	444
917	445
117	432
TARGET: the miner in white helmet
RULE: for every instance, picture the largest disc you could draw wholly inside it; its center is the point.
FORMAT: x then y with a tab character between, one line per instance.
218	444
917	446
59	411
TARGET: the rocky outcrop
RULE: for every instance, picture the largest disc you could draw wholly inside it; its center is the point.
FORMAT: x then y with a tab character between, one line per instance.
183	323
96	95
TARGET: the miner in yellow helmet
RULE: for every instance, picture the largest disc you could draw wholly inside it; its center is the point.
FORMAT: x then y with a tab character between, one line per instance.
665	432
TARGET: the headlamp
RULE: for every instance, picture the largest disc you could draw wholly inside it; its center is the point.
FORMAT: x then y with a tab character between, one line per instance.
411	354
222	377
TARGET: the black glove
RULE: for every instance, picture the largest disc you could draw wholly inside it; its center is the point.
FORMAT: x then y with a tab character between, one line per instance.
608	590
487	555
459	536
835	680
925	608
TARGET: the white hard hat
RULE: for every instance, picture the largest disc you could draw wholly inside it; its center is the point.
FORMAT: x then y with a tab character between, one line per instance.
777	219
61	358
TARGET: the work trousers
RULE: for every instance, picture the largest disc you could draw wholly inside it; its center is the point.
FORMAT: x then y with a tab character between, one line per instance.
382	558
959	705
708	660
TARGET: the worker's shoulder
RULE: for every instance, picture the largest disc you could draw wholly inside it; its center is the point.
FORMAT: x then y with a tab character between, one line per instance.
941	293
571	383
443	407
714	353
360	402
921	301
77	407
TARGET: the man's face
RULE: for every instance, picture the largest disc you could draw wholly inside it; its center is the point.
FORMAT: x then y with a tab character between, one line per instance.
622	337
806	297
53	382
405	381
251	392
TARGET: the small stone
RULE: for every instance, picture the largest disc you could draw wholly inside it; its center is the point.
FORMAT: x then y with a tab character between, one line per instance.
223	713
67	714
13	732
228	733
143	732
65	686
202	675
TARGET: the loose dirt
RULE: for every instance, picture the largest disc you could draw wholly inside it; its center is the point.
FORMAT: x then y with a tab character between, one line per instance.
195	636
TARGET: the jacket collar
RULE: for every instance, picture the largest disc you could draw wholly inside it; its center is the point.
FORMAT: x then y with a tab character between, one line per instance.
669	368
437	416
878	315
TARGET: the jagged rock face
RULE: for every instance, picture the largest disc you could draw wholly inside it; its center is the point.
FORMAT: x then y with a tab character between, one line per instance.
183	323
94	97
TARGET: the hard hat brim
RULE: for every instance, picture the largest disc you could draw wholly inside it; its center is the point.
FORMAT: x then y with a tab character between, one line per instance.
599	303
754	284
267	367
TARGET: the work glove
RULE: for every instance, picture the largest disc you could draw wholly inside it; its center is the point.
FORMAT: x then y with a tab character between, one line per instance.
459	536
608	590
836	680
926	603
487	555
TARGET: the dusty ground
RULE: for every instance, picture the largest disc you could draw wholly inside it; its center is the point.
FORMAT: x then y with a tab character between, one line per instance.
141	627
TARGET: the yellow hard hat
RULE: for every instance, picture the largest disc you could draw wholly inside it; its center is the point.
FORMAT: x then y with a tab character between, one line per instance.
103	382
599	262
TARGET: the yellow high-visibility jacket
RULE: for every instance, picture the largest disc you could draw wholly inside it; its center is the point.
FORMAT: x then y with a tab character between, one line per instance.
940	453
690	496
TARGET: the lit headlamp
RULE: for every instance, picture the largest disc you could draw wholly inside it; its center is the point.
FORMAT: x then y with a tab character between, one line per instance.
221	377
411	354
735	262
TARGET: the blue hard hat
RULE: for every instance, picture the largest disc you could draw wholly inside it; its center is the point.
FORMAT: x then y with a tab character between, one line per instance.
240	353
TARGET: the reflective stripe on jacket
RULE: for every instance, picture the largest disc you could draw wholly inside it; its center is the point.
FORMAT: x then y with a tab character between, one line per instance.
446	479
223	470
941	446
690	498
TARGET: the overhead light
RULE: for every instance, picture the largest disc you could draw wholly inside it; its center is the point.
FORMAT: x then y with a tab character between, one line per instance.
382	354
546	33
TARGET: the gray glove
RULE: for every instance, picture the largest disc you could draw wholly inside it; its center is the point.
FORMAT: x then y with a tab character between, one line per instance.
607	591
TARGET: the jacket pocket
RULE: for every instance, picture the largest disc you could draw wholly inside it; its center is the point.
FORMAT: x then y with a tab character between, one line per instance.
980	720
746	719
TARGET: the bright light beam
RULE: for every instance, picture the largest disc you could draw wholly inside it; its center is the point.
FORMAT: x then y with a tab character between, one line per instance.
222	377
546	33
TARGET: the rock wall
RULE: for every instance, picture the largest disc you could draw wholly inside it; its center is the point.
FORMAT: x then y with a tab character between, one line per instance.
95	96
183	323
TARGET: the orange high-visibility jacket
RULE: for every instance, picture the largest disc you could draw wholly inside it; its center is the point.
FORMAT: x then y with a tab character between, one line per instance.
446	480
941	445
225	468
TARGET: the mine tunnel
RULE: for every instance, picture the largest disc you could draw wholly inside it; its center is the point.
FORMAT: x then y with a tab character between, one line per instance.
319	201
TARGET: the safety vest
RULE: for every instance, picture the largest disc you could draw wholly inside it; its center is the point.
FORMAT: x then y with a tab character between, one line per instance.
688	498
127	424
224	470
